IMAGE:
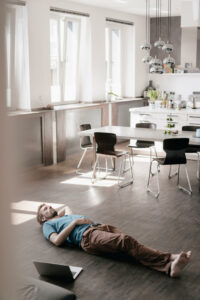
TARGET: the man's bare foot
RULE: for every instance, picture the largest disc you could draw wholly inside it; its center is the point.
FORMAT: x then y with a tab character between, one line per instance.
179	263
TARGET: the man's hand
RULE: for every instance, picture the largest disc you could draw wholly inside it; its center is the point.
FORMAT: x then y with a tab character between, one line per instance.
82	221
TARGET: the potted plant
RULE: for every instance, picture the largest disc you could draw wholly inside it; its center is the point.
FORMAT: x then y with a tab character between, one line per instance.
152	94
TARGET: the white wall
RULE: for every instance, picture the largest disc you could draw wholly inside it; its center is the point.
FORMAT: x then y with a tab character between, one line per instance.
189	46
39	48
183	84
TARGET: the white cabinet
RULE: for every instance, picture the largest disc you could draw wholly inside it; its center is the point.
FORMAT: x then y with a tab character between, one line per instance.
165	118
194	120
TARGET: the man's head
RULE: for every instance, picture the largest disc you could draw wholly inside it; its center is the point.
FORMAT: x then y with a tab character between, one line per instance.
45	212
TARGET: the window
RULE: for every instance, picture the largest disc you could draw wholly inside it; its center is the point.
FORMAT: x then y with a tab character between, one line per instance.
64	55
119	59
113	60
18	91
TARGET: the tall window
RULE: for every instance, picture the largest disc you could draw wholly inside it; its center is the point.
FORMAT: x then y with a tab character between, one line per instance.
18	91
113	60
119	54
64	54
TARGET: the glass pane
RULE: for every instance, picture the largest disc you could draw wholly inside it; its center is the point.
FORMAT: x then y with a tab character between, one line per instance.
116	62
70	80
54	60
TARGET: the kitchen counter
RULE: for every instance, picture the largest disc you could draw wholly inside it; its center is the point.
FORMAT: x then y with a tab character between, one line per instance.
165	118
183	111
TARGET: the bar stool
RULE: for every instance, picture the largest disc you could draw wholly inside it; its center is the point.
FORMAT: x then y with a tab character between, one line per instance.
175	155
106	147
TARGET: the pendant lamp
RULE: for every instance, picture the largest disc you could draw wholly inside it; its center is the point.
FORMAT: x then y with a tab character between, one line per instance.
147	46
159	43
168	47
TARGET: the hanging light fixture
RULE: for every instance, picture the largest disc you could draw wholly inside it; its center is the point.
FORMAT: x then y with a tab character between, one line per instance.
168	47
169	61
158	43
147	46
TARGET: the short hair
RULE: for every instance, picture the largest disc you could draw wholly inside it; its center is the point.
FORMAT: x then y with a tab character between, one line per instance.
39	215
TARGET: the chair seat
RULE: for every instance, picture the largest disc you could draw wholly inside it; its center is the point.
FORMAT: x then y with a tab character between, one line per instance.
87	146
112	153
192	149
142	144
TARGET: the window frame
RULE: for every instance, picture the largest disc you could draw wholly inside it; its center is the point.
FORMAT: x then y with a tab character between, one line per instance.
67	18
114	26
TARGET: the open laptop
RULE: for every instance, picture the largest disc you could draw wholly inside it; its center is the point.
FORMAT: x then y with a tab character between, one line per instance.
63	272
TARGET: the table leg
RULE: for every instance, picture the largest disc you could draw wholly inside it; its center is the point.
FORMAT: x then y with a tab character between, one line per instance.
94	157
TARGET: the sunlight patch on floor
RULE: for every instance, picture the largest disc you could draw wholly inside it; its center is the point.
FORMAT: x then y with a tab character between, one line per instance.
19	218
27	210
85	179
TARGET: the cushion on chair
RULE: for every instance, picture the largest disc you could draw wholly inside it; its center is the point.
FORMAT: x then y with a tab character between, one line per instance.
192	149
142	144
34	289
112	153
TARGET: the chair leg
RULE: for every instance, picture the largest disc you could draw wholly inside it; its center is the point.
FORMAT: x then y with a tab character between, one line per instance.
198	167
172	175
80	161
94	169
189	191
112	163
156	194
106	167
121	185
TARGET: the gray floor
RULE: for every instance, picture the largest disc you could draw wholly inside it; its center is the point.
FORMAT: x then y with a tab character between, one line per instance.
170	223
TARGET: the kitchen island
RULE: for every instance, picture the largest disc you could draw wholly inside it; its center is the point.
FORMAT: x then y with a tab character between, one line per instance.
165	118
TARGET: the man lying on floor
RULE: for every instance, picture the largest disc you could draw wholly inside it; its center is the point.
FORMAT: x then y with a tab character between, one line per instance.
99	239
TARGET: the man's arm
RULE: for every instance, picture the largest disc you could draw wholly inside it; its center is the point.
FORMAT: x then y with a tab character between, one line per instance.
63	211
59	238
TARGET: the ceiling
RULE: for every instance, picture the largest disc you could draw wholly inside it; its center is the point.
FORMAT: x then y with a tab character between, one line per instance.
134	6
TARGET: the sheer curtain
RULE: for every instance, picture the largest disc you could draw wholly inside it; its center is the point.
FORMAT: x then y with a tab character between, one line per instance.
85	61
18	86
70	38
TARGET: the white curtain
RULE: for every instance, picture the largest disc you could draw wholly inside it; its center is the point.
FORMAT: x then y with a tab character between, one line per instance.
17	56
85	65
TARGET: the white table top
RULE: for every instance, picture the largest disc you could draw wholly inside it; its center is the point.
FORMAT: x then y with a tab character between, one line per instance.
142	134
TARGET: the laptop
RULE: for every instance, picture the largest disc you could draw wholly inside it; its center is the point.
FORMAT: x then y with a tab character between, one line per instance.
63	272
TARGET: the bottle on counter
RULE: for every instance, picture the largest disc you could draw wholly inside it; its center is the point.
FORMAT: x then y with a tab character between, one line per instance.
171	100
149	87
165	99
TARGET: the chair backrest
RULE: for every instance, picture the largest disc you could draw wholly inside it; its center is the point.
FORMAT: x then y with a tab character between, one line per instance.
85	140
175	151
146	125
190	128
105	142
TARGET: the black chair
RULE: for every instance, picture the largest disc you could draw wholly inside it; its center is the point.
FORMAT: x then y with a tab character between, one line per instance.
106	147
85	144
193	148
142	143
175	155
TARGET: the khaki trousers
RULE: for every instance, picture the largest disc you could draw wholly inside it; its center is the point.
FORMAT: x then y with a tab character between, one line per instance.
103	238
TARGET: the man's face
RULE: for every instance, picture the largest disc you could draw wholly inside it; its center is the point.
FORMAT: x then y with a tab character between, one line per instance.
48	212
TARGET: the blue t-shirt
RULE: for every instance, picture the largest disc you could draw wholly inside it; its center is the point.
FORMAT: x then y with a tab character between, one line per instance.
58	224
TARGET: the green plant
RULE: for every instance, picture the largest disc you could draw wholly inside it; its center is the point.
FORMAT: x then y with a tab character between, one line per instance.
152	94
113	94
